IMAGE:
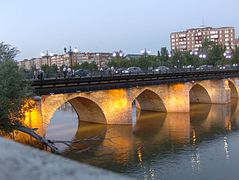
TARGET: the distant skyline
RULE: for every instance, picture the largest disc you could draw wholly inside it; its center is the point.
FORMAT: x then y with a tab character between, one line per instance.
106	25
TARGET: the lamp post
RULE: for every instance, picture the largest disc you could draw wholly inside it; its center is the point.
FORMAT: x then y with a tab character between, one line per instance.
145	52
118	54
47	56
227	55
178	62
70	53
202	56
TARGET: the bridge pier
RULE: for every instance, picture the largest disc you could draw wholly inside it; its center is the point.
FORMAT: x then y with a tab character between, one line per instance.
177	98
106	107
117	106
213	91
163	98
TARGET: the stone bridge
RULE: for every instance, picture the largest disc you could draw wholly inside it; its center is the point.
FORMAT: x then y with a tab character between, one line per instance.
115	106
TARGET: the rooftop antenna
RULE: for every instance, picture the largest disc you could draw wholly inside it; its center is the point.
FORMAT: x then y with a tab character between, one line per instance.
203	23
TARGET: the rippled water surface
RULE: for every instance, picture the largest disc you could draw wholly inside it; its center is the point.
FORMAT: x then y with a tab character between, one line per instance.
202	144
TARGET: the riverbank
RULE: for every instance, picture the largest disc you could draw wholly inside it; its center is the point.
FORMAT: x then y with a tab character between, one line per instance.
23	162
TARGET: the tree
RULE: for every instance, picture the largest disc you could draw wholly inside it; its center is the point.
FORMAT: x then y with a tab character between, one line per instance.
87	66
7	52
13	88
215	55
13	92
235	55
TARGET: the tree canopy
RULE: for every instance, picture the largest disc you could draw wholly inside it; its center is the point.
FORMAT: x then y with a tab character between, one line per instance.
13	88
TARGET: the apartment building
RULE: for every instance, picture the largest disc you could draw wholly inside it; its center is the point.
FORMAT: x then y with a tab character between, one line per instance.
192	39
100	58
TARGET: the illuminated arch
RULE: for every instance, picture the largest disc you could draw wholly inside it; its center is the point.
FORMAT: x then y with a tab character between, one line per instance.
86	109
234	91
199	94
150	101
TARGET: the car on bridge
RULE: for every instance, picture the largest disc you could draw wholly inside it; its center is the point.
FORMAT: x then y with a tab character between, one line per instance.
204	67
132	70
119	70
81	73
161	69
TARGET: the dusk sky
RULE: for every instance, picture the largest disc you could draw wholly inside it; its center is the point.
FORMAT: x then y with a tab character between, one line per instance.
106	25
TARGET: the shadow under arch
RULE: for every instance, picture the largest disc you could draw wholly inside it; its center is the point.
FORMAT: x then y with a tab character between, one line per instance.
198	94
87	110
199	112
149	101
148	124
88	135
234	93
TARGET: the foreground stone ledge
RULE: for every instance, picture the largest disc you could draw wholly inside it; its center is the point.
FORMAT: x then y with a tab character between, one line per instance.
20	162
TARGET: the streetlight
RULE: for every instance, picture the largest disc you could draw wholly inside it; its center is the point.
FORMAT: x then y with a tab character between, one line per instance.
47	56
70	52
118	54
145	52
227	55
202	56
178	62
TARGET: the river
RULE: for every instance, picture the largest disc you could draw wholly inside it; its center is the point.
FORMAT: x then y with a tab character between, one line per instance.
202	144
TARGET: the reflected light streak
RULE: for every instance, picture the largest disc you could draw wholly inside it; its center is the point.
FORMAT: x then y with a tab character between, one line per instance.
226	148
195	160
194	137
195	157
140	155
228	125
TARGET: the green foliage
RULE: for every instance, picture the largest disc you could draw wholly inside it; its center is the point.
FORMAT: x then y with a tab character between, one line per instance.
215	55
13	88
213	51
7	52
49	69
235	58
87	66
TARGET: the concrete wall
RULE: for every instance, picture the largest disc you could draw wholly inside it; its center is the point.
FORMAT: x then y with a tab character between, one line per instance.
22	162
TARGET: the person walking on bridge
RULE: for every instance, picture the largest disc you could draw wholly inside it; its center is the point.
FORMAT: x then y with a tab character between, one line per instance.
64	71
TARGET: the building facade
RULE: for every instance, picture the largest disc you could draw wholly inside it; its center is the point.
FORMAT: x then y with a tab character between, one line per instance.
101	59
192	39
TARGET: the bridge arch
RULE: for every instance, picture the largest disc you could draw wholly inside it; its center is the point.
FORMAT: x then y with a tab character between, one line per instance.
150	101
199	94
87	109
233	88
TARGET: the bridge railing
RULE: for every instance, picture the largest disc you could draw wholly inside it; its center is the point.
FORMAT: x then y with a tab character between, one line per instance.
99	74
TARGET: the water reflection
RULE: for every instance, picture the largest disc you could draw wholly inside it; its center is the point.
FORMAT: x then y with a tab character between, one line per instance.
158	145
159	138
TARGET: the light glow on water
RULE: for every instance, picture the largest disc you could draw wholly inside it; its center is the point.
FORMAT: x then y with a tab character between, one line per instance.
203	144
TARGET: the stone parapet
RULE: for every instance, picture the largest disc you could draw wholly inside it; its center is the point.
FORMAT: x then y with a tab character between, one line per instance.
22	162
